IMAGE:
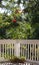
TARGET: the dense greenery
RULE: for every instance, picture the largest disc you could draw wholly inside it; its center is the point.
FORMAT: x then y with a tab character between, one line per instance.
27	21
15	59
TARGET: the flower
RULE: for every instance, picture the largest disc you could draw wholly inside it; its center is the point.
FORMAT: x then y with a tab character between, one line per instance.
14	21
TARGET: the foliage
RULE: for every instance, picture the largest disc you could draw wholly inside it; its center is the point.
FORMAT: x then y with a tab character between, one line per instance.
27	22
33	17
18	60
15	59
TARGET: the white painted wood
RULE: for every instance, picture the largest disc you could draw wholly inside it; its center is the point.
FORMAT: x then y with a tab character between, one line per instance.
17	50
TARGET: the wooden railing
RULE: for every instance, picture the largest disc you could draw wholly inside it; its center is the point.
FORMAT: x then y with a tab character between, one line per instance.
27	48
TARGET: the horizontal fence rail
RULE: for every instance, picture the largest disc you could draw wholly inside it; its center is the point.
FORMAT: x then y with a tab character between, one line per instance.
26	63
14	64
19	41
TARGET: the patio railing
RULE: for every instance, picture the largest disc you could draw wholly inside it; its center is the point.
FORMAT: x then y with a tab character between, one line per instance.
27	48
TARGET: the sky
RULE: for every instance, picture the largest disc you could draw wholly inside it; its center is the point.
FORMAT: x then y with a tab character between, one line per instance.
2	10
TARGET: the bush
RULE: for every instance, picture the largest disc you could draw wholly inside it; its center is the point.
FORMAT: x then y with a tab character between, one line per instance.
17	60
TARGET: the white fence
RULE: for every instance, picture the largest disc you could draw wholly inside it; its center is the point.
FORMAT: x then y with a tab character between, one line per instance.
27	48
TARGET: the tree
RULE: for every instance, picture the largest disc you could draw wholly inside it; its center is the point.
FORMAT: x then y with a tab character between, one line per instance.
33	17
26	20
